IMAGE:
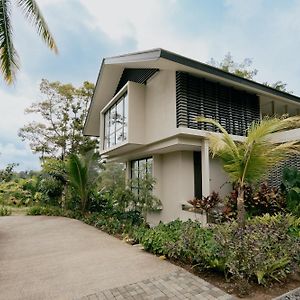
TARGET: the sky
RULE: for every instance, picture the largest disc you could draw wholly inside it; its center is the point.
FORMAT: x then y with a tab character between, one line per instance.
267	31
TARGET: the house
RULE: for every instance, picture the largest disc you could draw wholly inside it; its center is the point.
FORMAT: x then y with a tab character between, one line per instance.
144	108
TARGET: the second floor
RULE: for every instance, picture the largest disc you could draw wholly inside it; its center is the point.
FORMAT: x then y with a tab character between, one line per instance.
148	97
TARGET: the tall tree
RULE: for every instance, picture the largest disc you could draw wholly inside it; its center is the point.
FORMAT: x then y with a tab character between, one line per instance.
9	59
248	161
62	112
244	69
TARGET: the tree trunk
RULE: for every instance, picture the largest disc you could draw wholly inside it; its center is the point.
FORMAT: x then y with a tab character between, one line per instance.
241	213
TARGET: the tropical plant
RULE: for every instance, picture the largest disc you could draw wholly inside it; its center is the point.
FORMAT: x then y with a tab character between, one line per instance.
249	160
291	188
144	200
83	173
9	59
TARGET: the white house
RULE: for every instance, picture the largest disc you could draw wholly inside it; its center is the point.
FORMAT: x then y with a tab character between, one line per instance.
144	108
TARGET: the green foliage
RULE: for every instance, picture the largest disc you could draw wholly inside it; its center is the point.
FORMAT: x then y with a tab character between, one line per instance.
257	202
112	177
13	193
7	174
240	69
44	210
291	188
206	203
184	241
244	69
5	211
83	173
50	190
145	200
63	111
9	59
264	249
249	160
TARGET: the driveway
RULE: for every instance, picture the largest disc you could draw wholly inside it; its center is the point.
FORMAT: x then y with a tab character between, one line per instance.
60	258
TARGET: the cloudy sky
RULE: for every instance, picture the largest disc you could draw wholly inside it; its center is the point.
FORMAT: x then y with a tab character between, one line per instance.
268	31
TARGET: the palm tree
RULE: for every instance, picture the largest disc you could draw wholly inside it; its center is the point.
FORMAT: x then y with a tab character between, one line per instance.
83	172
249	160
9	59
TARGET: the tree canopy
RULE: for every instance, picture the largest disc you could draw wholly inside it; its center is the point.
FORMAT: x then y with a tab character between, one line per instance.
62	113
244	69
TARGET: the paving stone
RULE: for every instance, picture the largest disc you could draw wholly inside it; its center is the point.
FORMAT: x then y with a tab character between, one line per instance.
178	285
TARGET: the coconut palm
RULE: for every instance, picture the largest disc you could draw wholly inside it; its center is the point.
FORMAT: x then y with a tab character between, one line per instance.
9	59
249	160
83	173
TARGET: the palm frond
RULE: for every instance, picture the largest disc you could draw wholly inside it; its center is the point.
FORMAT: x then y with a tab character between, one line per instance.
9	60
34	15
251	159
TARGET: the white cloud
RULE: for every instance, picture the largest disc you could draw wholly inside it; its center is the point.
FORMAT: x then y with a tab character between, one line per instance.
149	23
10	153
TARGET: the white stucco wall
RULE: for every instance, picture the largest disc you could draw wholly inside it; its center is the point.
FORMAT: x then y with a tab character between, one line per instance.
174	173
219	181
160	107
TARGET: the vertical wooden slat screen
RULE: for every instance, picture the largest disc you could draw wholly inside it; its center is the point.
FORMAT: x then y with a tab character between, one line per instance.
196	96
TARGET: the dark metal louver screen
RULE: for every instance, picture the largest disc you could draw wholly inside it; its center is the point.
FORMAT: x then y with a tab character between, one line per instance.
135	75
275	176
195	96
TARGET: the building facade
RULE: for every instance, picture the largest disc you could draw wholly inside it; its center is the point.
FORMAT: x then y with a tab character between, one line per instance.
144	109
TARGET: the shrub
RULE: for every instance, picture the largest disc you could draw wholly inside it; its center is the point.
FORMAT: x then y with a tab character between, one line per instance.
44	210
12	193
264	250
206	203
5	211
264	200
291	188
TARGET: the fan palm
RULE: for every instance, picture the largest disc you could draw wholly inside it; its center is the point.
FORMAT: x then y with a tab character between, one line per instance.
82	174
249	160
9	59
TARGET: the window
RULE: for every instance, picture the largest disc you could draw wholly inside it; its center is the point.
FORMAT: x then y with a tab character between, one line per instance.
139	169
115	123
197	175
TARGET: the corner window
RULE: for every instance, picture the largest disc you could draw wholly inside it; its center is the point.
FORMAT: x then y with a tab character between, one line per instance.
139	169
116	123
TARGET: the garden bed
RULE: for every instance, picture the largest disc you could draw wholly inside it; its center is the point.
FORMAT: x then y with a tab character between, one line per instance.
165	240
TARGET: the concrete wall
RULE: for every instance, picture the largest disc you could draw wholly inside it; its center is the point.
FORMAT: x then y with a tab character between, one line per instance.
160	107
174	173
219	181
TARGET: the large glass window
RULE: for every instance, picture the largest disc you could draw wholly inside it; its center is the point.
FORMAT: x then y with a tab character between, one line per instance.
139	169
115	123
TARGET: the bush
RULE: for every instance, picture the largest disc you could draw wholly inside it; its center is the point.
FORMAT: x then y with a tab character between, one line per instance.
263	200
12	193
291	188
267	249
264	250
44	210
5	211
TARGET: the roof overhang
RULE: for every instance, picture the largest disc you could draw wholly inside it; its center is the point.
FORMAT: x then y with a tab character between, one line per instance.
112	69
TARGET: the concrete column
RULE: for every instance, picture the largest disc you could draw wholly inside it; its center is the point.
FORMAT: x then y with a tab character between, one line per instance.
205	168
157	174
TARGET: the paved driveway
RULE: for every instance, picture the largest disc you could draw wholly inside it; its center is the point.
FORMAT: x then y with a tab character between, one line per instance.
60	258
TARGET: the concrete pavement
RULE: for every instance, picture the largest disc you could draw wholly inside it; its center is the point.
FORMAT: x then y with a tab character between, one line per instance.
59	258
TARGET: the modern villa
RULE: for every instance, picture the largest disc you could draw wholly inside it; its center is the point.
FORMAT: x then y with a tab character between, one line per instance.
144	109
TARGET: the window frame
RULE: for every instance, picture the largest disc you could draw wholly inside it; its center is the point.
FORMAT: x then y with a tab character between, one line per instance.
139	171
115	133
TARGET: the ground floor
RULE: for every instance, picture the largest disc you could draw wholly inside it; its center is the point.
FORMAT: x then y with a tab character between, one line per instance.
60	258
180	176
